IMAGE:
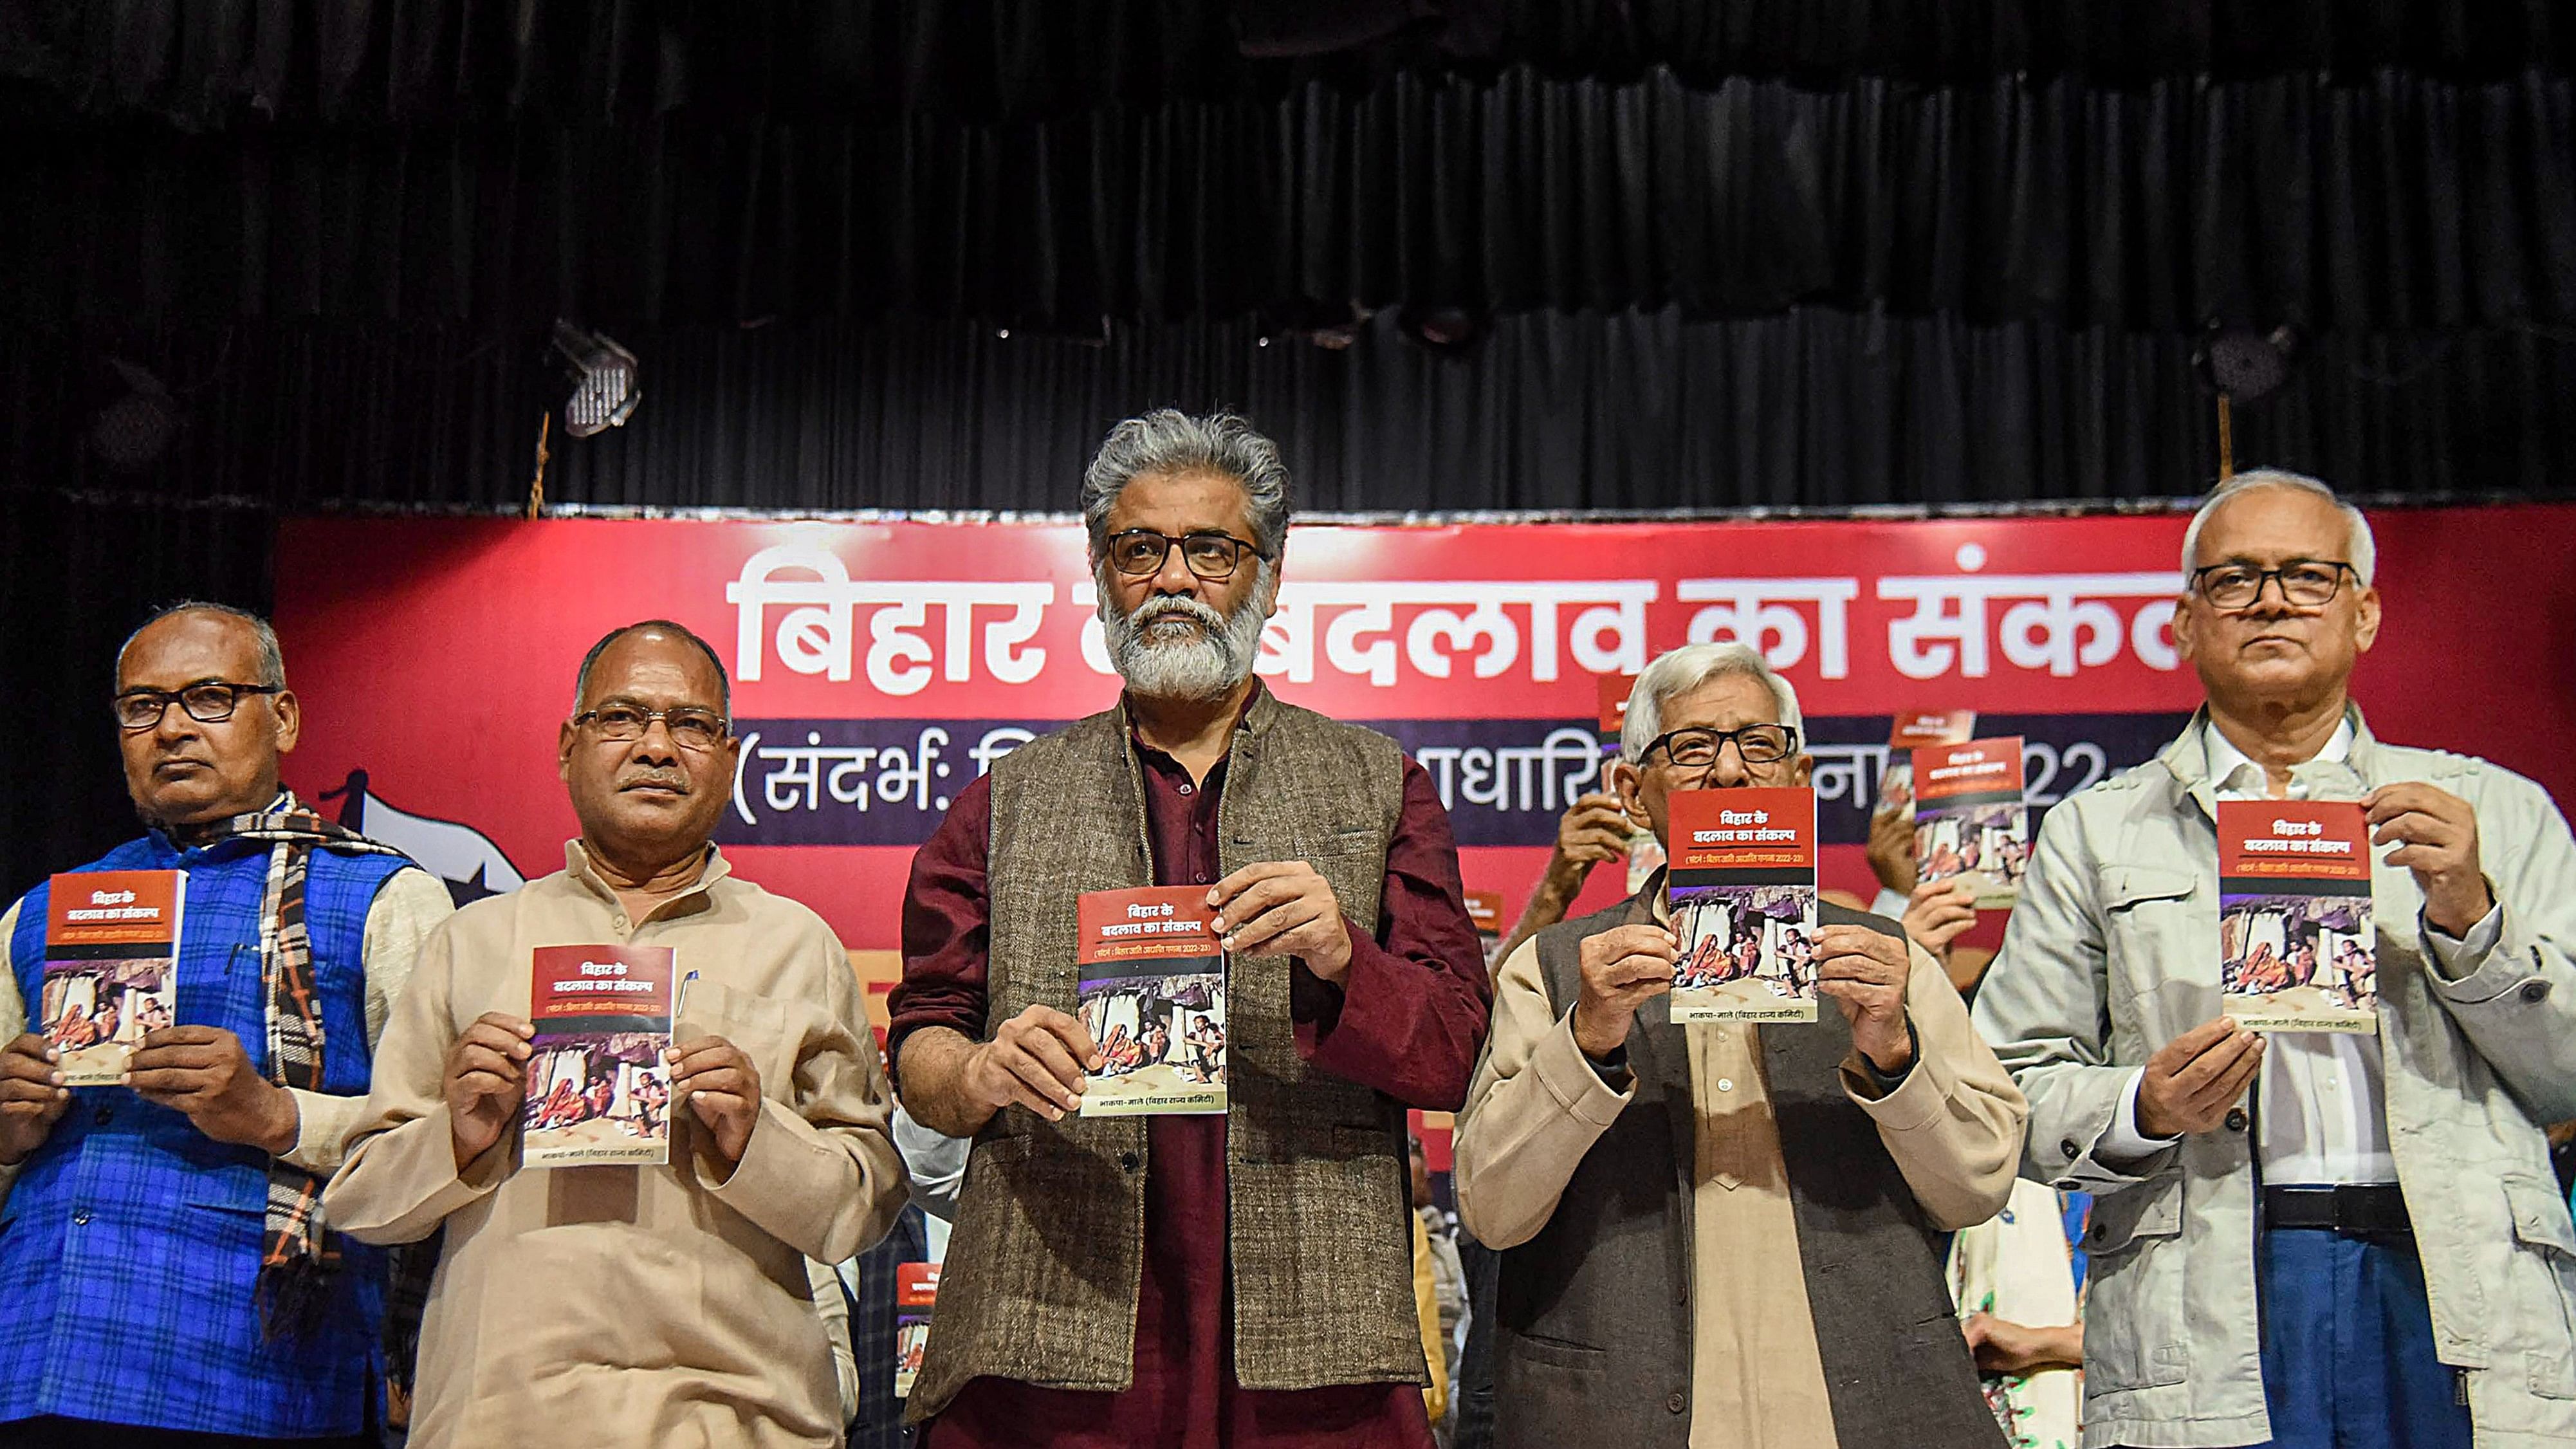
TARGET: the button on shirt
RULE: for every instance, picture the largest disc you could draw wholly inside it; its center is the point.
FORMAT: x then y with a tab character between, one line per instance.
2318	1097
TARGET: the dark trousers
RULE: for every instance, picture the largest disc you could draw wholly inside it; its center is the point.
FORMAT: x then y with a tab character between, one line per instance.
88	1434
1472	1397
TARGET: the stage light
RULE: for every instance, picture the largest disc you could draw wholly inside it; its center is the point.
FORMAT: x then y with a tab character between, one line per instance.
2242	365
135	430
1452	332
604	380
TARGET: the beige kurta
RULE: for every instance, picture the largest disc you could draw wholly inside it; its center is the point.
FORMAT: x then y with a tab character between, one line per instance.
619	1305
1953	1125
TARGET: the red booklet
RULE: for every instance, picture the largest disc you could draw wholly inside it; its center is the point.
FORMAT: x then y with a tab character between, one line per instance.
1743	899
916	1293
1969	819
2296	948
111	967
1913	729
598	1087
1151	991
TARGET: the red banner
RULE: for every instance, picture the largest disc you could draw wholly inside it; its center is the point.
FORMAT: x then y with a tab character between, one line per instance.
880	667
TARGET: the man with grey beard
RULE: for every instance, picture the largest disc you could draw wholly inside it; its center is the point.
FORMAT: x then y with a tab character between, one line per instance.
1188	1280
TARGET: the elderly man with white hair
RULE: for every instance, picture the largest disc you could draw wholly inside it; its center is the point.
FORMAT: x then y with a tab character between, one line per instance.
1720	1233
2304	1239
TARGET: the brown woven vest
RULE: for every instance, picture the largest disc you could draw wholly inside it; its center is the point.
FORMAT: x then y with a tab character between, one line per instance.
1593	1338
1042	1272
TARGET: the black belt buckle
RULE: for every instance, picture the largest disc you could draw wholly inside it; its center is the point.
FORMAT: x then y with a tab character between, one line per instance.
2374	1212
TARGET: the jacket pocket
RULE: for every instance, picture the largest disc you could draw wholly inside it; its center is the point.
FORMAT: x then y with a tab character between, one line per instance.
2125	887
1557	1353
2547	1239
2134	1337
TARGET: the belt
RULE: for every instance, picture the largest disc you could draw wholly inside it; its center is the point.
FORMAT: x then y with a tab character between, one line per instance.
2356	1211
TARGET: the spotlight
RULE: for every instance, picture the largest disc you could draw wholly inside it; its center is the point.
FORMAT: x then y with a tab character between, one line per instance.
2245	364
135	430
1453	332
603	374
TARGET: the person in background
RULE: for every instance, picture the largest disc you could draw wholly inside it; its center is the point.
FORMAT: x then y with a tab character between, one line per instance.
1935	913
1593	831
2375	1252
1437	1262
173	1273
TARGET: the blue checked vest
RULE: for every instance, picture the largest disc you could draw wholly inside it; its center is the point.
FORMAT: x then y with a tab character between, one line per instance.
130	1241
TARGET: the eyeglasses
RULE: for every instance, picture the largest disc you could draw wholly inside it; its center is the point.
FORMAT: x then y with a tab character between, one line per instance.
2305	583
212	702
1211	554
1695	748
691	728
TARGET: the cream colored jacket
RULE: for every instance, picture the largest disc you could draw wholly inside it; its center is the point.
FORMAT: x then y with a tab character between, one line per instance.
2112	952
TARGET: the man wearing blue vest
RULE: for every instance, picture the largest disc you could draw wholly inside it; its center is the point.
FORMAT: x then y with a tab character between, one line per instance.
171	1279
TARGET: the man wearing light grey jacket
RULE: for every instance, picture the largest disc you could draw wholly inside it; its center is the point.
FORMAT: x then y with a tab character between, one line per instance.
2304	1239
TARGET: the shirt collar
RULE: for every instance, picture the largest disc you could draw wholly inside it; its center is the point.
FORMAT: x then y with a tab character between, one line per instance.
2225	760
577	864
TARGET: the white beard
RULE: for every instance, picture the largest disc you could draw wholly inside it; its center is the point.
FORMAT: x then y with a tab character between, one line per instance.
1182	661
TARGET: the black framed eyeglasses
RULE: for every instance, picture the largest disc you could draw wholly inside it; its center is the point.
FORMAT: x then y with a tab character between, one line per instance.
211	702
691	728
1211	554
1696	748
2306	583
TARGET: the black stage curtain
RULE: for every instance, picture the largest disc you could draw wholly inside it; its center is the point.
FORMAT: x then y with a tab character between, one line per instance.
205	64
1817	408
75	577
2396	202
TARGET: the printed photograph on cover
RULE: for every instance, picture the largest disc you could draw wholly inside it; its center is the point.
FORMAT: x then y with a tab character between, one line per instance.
1748	952
95	1012
2294	960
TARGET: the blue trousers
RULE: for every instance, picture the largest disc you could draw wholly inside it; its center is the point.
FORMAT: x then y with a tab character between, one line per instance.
2348	1359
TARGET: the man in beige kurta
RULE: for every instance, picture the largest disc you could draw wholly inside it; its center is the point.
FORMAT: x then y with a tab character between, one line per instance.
633	1305
1950	1119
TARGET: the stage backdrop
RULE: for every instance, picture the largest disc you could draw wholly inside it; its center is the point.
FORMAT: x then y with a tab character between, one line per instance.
880	667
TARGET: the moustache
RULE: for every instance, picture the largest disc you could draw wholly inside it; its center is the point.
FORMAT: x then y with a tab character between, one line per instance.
1165	607
656	779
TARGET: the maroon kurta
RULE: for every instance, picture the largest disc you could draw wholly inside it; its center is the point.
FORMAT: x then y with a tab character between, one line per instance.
1407	1020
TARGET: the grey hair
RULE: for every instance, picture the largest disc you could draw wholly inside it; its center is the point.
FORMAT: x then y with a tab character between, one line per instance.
272	663
2358	540
1687	668
724	681
1168	440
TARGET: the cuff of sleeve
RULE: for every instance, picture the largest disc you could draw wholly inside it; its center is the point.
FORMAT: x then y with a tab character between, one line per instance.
322	1124
480	1176
1315	1004
1569	1078
777	1168
2461	962
1889	903
1916	1101
2121	1144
